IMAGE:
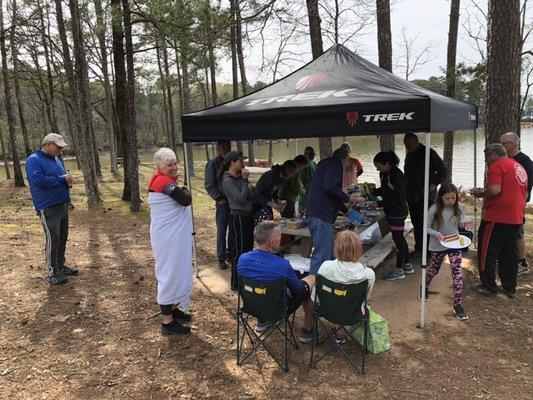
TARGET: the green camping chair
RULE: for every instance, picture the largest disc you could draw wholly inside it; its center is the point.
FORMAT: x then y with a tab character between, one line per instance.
342	305
266	302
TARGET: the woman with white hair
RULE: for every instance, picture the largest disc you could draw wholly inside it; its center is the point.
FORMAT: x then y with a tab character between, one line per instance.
171	238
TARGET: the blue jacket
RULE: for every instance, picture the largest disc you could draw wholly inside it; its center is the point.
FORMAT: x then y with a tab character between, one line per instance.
47	179
325	195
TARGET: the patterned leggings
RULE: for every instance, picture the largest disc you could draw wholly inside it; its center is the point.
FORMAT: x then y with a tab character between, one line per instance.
455	258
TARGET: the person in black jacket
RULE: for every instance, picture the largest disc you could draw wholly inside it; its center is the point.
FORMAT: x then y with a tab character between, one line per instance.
414	168
213	186
267	188
393	191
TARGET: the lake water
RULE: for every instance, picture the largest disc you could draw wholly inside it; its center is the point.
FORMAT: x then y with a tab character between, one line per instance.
364	148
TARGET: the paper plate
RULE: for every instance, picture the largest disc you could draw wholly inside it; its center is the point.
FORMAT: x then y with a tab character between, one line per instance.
456	244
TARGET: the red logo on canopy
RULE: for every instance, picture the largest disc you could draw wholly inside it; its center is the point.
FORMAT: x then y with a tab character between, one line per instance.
352	117
305	82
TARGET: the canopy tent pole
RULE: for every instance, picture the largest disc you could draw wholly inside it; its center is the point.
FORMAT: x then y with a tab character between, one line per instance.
475	185
189	184
425	235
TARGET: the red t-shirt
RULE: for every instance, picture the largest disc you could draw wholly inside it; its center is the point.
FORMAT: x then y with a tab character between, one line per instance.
507	207
161	183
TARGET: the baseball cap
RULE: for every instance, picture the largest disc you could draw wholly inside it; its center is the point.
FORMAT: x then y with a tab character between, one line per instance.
234	156
55	138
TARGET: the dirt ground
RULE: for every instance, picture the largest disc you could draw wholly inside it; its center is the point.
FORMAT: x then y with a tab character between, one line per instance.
97	337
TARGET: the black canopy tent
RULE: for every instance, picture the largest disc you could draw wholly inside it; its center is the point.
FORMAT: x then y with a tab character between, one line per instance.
337	94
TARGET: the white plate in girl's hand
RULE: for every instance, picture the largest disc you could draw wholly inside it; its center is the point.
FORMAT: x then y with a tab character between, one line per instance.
458	243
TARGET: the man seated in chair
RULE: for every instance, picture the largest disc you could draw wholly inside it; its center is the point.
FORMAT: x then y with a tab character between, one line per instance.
263	265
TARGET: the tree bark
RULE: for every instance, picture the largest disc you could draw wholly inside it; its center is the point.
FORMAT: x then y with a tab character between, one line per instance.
4	154
131	143
100	32
451	78
234	63
170	103
211	56
18	95
85	151
325	143
17	171
386	142
186	96
165	123
503	61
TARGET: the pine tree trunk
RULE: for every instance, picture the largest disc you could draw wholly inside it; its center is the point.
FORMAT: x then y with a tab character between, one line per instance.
503	61
18	95
186	102
17	171
325	143
4	154
386	142
234	63
166	126
211	56
77	83
101	33
135	204
270	153
121	100
450	79
170	103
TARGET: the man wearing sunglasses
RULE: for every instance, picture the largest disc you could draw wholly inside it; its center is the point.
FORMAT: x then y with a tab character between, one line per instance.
50	191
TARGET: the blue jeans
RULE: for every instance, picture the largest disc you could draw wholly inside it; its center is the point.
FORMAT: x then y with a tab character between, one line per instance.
222	219
322	237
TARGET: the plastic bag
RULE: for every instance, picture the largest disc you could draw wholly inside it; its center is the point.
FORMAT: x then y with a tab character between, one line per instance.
378	334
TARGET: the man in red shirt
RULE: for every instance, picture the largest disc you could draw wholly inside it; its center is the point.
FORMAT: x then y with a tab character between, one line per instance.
504	197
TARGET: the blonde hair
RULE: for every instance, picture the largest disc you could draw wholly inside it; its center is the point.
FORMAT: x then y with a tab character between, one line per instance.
348	247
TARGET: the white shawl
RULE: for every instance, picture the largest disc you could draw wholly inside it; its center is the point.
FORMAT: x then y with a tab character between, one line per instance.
171	238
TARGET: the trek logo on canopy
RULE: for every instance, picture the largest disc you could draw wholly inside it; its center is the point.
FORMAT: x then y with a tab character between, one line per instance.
309	81
352	117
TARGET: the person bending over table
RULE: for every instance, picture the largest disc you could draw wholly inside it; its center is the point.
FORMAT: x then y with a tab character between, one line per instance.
267	188
306	176
239	193
292	188
395	207
263	265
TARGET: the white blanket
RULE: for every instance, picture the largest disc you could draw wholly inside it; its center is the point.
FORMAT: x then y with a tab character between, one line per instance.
171	238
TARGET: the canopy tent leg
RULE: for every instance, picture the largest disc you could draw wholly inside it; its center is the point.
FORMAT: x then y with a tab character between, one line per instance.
425	235
475	185
189	184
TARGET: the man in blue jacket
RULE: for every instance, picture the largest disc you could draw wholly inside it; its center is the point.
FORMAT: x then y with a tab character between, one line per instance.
50	190
324	202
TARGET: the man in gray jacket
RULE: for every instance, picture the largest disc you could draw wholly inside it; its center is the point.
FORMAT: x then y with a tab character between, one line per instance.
213	186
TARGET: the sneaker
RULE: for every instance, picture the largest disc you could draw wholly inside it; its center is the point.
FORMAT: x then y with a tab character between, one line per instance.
261	327
338	335
306	336
420	294
480	289
67	271
408	269
180	316
174	328
523	268
396	273
415	253
222	265
56	278
510	295
460	312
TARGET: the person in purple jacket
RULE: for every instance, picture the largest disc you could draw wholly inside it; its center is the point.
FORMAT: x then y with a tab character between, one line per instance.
50	191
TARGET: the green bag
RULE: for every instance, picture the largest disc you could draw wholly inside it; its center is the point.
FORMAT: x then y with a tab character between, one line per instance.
378	334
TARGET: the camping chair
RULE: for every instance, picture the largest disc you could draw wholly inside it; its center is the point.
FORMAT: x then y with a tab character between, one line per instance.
266	302
342	305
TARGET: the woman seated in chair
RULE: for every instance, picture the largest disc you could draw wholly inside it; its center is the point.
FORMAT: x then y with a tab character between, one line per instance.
346	268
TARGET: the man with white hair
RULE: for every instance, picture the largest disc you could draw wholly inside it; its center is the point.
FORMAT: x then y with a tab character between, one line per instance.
50	191
263	265
511	142
504	197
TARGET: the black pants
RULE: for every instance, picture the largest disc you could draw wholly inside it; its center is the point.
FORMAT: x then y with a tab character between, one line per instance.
289	211
243	226
416	211
497	244
396	226
55	224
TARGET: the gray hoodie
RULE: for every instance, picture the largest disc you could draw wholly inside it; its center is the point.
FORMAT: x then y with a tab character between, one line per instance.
239	193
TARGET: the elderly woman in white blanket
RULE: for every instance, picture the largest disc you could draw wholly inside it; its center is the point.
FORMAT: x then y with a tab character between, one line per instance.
171	238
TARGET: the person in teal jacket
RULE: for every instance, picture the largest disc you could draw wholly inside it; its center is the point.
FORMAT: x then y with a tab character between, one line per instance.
292	188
